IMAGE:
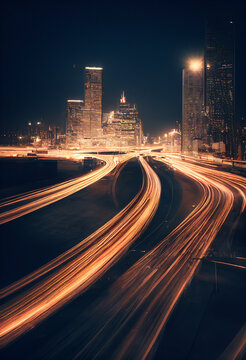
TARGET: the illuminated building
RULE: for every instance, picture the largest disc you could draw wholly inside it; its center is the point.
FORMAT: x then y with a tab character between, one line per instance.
93	102
84	118
127	123
107	124
171	141
124	124
193	116
241	139
74	122
87	125
219	81
243	143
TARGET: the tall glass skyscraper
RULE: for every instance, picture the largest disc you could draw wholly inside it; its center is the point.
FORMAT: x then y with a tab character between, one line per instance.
193	127
84	118
127	124
93	102
74	122
219	81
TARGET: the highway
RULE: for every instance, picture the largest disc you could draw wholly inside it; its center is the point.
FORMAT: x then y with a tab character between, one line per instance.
141	300
28	202
75	270
137	306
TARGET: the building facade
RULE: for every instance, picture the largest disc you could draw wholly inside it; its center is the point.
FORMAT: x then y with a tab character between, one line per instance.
241	139
124	125
75	129
93	102
194	127
84	118
219	82
87	125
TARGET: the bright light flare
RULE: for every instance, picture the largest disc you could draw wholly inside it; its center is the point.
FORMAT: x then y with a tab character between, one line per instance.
173	132
143	298
80	266
195	64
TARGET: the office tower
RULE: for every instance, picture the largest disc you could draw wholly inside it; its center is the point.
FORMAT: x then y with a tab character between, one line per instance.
242	139
127	125
219	81
84	118
74	122
193	116
93	102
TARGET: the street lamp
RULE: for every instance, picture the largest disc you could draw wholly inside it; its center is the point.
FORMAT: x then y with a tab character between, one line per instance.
195	64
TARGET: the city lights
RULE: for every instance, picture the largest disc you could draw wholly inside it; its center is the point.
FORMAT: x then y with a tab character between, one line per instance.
123	99
174	131
75	101
75	273
93	68
195	64
87	124
123	182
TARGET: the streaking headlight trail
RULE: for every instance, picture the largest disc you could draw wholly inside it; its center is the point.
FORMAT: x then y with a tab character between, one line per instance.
82	265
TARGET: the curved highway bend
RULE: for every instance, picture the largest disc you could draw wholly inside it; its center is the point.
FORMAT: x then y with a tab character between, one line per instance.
35	200
82	265
143	298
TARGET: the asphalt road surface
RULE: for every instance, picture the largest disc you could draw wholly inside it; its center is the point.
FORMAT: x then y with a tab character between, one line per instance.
137	303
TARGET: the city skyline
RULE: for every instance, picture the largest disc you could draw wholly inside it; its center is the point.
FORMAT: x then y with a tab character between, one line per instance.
208	118
123	180
88	124
136	74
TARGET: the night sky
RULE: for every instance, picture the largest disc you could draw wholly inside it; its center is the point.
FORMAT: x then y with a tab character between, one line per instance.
142	47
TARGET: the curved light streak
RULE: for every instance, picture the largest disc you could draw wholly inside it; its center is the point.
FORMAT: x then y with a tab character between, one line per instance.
38	199
142	299
82	265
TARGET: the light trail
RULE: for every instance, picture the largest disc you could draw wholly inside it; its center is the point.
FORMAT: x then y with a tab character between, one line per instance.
235	181
82	265
229	264
236	349
141	300
37	199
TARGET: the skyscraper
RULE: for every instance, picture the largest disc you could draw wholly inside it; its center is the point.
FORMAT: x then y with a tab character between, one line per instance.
93	102
127	125
219	81
86	125
74	122
193	116
84	118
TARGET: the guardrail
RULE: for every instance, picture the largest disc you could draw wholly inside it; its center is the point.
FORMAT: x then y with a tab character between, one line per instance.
218	161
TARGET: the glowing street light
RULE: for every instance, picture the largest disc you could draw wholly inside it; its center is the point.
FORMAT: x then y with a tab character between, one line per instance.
195	64
172	132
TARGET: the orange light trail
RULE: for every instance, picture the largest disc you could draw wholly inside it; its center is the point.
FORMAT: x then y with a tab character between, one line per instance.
37	199
236	349
82	265
229	264
143	298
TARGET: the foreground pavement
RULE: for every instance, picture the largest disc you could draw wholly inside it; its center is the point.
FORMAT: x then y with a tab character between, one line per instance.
129	318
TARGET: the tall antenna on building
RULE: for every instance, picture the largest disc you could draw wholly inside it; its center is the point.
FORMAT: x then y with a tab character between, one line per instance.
123	99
